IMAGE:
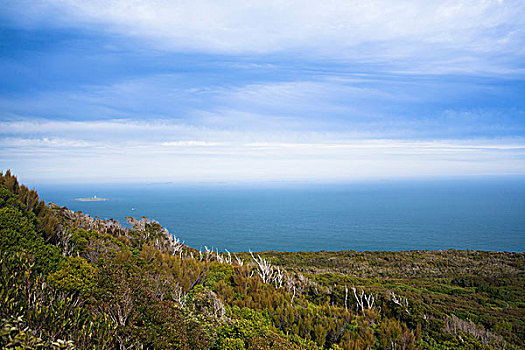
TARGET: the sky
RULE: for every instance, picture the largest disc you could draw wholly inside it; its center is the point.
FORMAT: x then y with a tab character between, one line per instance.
241	91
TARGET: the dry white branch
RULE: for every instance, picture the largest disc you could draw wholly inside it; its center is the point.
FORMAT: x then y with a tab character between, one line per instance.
346	298
208	253
175	245
179	296
278	277
239	261
229	258
264	268
219	258
400	301
362	298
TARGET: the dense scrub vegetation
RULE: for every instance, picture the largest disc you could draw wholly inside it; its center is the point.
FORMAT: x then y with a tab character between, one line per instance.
69	281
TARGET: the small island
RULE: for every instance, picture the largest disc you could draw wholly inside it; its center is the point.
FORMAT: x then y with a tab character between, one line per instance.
91	199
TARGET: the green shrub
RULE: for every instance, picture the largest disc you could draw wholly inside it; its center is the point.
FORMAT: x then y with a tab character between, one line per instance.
75	275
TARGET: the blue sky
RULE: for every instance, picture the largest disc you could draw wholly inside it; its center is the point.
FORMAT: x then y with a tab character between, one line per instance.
146	91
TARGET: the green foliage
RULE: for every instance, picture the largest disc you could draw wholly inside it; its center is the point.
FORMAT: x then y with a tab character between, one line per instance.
28	305
20	197
218	272
13	335
17	234
227	343
76	276
80	239
250	329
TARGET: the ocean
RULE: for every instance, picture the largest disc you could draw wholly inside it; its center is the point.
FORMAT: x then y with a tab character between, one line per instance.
487	214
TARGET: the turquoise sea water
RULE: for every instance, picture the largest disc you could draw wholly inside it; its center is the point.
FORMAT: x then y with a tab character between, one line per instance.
461	214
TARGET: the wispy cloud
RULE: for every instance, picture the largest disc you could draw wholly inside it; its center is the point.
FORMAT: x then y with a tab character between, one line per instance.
467	35
82	150
353	106
172	133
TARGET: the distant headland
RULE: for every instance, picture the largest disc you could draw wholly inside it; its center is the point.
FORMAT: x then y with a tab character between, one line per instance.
91	199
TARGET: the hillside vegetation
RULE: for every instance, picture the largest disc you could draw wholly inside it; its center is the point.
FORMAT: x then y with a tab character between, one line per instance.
69	281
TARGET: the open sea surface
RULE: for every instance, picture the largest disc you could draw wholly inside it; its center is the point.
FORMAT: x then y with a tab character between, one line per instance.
397	215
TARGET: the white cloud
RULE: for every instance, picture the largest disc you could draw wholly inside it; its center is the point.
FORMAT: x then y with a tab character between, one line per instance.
361	106
23	142
77	151
191	144
459	35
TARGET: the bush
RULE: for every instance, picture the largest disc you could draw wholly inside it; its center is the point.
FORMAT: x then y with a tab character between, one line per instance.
76	276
